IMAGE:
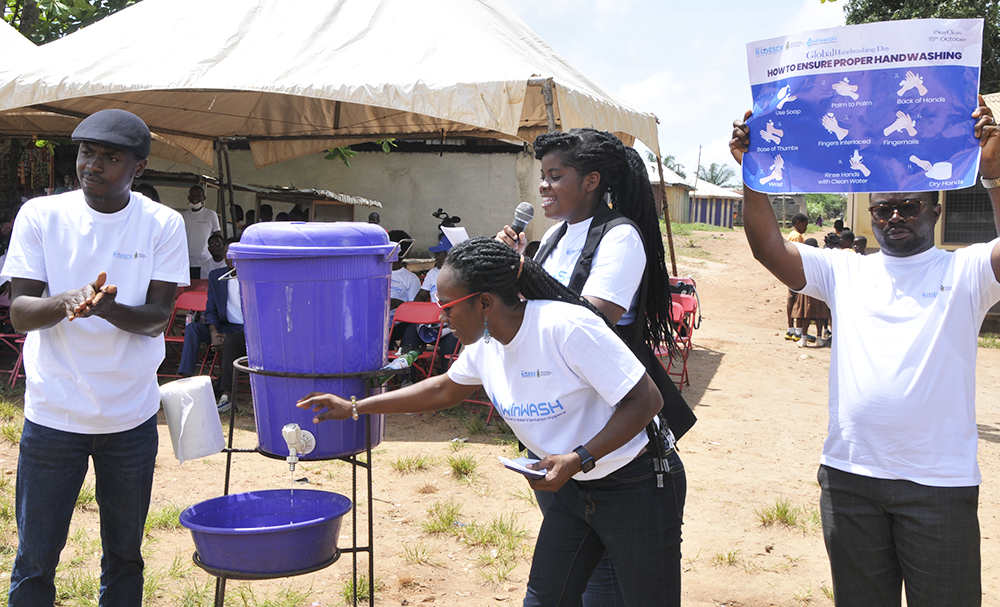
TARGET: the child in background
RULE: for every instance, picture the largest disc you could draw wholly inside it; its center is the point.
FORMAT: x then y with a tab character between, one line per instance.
809	310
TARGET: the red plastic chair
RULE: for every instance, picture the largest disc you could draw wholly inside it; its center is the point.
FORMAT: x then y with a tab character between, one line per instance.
683	310
421	313
193	301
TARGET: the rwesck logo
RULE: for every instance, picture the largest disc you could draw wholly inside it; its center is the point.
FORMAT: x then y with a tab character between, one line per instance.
768	50
136	255
539	374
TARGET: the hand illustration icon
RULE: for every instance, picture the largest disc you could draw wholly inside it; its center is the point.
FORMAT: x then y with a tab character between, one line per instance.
910	82
938	170
925	165
903	122
772	134
784	97
846	89
775	175
856	164
830	124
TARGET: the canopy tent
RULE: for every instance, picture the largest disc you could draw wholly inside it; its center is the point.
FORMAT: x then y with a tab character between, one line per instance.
299	76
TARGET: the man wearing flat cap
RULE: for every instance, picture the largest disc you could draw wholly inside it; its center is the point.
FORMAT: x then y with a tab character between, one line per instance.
91	355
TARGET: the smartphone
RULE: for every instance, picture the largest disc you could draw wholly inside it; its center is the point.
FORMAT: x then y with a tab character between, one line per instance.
519	465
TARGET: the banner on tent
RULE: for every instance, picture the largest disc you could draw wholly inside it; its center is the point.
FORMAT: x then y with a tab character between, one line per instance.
881	107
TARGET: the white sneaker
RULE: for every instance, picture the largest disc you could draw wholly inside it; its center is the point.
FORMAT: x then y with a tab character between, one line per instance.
801	343
821	343
224	404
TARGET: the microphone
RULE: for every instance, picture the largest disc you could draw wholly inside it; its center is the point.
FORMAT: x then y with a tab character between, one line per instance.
522	217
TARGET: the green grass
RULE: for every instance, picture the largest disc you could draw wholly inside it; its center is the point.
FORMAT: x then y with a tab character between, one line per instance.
443	517
685	229
347	590
412	463
989	340
418	555
245	594
11	432
165	518
786	514
195	593
463	467
10	411
78	588
474	423
87	497
731	558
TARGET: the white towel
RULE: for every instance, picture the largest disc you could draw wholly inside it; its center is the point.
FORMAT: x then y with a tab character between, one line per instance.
192	417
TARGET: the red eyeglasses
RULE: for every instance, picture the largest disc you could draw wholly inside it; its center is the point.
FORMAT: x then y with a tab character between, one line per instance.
446	307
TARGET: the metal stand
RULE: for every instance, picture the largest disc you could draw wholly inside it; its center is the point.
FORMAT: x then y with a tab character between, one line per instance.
221	575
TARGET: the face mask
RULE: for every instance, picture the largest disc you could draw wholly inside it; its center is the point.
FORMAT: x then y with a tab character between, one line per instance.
196	207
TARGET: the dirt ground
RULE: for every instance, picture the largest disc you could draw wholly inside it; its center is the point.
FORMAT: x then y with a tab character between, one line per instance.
761	404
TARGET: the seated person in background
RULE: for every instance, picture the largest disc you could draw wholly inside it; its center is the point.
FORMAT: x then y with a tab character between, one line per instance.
217	250
428	290
266	212
412	338
404	284
223	317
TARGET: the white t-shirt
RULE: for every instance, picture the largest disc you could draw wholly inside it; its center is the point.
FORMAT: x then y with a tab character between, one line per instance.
616	272
405	285
87	376
199	225
211	264
557	382
431	283
234	308
903	365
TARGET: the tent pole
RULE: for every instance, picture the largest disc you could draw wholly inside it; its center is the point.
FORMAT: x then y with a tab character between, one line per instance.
666	215
229	187
548	90
222	195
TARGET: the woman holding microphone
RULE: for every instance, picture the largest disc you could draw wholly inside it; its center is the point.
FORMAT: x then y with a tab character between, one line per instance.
575	395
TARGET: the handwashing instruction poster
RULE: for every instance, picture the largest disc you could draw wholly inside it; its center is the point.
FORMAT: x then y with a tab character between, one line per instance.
882	107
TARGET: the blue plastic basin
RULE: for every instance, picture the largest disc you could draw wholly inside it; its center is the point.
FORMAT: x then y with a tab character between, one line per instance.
267	532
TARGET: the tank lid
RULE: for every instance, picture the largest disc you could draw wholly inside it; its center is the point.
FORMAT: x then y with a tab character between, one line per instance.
314	234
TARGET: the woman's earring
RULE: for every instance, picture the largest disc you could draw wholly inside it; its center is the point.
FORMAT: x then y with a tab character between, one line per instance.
486	332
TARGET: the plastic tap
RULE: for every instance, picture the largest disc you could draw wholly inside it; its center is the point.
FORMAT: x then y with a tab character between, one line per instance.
299	442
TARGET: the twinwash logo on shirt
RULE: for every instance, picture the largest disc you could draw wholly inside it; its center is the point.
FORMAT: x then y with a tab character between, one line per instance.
136	255
530	411
539	373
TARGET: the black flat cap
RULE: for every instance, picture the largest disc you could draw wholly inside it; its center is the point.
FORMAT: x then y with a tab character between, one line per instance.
116	128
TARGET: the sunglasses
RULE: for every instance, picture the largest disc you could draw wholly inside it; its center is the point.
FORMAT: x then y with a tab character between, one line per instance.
907	209
447	307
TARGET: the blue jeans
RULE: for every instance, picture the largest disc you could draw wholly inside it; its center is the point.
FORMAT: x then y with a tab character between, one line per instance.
195	334
624	514
882	533
50	471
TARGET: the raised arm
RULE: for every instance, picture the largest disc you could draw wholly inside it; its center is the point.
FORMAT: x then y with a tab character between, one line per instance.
988	133
780	257
438	392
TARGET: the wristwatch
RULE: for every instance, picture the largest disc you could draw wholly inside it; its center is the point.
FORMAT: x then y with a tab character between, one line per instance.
989	184
587	462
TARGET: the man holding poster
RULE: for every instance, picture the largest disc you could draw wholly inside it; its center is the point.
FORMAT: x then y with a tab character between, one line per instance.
898	474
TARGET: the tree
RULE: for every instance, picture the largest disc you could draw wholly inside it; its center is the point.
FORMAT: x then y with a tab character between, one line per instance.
825	205
669	161
719	174
43	21
868	11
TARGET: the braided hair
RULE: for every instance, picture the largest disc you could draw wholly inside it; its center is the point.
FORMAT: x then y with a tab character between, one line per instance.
486	265
624	178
